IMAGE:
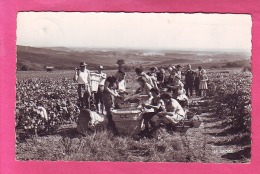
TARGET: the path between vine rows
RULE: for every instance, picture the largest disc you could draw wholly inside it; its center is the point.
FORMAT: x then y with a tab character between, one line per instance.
211	143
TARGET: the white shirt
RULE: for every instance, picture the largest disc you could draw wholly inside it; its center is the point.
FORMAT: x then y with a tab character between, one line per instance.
174	106
149	79
197	73
102	78
96	118
42	111
83	77
122	86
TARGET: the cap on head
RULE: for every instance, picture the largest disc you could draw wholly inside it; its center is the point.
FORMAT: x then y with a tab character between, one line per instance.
83	64
101	67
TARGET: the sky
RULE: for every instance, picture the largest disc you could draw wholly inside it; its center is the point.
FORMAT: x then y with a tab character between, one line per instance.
134	30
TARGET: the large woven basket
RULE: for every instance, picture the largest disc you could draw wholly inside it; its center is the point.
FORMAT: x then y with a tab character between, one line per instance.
94	81
127	121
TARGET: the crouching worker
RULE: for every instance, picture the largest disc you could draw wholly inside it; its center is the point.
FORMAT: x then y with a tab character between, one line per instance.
89	121
172	116
109	95
157	105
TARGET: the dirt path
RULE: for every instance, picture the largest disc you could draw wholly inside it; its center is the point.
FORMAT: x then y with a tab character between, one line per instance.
210	142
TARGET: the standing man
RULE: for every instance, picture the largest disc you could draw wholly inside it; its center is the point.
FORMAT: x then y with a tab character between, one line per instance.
82	77
197	80
189	80
98	95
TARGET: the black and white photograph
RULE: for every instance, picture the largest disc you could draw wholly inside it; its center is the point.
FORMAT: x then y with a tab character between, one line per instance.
133	87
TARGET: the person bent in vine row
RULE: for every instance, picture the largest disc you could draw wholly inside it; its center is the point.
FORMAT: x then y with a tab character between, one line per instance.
82	77
109	95
151	80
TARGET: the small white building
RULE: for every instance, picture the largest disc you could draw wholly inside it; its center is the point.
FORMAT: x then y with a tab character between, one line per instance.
49	68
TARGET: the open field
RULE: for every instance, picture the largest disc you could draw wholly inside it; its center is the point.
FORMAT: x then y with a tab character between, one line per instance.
221	137
68	58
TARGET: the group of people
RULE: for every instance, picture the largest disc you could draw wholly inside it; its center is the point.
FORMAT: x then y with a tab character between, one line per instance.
167	92
178	81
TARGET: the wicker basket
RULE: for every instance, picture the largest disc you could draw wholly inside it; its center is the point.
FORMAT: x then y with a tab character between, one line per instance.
190	114
94	81
127	121
195	122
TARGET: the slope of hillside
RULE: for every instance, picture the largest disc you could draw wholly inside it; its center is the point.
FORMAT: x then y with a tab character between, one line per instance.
69	58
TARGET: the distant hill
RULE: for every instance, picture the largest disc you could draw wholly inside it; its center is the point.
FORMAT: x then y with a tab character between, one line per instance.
69	58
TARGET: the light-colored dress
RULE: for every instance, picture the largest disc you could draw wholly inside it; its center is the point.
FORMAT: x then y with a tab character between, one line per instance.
203	82
175	109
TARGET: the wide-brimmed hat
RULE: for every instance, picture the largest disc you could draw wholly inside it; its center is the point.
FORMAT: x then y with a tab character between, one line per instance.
83	64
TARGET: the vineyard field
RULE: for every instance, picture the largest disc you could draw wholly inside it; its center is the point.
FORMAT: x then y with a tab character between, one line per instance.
223	137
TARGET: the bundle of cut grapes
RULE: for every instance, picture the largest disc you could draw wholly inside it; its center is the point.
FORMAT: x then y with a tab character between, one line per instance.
129	103
125	105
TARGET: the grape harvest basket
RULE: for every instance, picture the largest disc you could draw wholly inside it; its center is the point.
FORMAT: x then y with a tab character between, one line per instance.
94	81
128	121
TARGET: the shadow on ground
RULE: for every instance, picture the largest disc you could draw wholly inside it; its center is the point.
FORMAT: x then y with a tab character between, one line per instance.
243	141
226	132
240	155
67	132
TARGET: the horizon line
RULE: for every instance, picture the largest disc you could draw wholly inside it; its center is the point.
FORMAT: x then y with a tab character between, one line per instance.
155	49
